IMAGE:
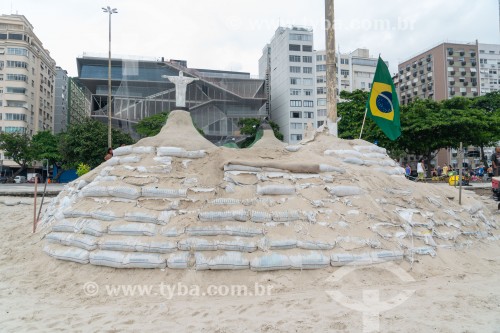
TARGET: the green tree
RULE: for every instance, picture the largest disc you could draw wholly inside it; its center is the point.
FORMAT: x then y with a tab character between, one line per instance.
87	142
45	145
489	106
151	126
17	146
250	127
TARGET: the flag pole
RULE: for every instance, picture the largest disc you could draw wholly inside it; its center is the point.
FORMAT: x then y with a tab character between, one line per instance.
363	125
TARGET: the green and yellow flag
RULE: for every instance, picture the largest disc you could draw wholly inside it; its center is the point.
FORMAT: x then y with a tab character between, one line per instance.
383	105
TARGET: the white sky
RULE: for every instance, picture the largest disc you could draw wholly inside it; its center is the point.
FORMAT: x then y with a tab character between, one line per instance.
230	34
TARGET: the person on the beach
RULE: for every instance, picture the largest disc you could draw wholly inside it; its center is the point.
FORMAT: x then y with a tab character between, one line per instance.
109	154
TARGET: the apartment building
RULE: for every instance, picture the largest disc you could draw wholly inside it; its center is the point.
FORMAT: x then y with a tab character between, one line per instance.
489	67
441	72
355	71
288	66
27	75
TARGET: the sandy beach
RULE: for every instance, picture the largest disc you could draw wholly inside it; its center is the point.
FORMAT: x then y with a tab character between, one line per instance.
457	291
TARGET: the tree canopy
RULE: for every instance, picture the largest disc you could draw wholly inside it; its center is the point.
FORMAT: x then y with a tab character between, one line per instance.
17	146
250	127
151	126
87	142
427	125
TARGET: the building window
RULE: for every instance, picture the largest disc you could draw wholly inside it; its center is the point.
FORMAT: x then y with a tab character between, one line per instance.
307	82
294	47
13	129
296	103
15	90
17	64
297	126
1	77
18	51
344	72
295	137
17	77
362	85
344	61
307	48
294	80
294	69
295	114
15	116
309	115
308	92
294	58
321	112
320	123
320	68
320	57
295	92
303	37
320	79
307	70
308	59
309	104
321	101
320	90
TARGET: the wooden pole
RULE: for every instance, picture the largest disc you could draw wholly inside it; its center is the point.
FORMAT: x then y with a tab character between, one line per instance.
34	208
331	93
363	124
460	162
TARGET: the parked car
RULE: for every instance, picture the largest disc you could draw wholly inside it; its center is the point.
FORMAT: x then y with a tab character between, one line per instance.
32	179
20	179
3	179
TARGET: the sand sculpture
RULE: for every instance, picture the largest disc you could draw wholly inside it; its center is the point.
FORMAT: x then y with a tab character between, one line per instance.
175	200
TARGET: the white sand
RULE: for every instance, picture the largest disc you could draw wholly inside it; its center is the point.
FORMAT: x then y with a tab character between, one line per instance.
457	291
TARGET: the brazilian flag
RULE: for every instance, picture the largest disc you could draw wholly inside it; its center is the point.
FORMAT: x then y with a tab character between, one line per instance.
383	105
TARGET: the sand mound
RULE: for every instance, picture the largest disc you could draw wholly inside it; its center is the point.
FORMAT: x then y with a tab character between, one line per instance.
176	200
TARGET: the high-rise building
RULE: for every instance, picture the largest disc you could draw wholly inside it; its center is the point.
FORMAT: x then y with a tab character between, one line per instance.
355	72
61	101
489	67
217	100
288	65
442	72
295	78
72	103
27	76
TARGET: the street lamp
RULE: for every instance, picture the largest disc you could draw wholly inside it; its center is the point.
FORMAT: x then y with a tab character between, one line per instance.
109	11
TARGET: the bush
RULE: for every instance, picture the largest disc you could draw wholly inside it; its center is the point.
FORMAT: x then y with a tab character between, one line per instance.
82	169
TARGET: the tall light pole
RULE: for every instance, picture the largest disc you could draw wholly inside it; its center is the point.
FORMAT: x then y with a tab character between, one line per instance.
109	11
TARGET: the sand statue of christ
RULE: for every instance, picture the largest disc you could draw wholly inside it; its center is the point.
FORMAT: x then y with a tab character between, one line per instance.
181	83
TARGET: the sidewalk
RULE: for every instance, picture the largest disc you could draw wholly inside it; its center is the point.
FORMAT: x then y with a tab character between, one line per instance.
28	189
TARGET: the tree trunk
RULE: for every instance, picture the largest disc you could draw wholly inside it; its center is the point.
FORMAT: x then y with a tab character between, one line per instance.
484	158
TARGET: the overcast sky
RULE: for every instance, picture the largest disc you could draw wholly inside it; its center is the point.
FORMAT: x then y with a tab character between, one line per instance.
230	34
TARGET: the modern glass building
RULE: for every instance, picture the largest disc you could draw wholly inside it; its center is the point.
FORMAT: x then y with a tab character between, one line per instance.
216	101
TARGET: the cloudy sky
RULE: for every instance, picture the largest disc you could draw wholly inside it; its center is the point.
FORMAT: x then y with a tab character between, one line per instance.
230	34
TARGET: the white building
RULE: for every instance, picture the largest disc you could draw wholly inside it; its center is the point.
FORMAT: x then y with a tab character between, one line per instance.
27	74
296	79
288	65
356	71
489	67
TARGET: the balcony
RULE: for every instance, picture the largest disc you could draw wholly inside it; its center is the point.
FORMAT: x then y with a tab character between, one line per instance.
464	63
414	74
452	92
420	62
474	83
429	58
451	62
400	71
473	63
472	53
464	93
462	53
452	83
414	65
466	83
474	93
421	71
450	51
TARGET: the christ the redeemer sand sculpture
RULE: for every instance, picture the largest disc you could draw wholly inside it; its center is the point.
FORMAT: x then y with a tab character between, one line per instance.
181	82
